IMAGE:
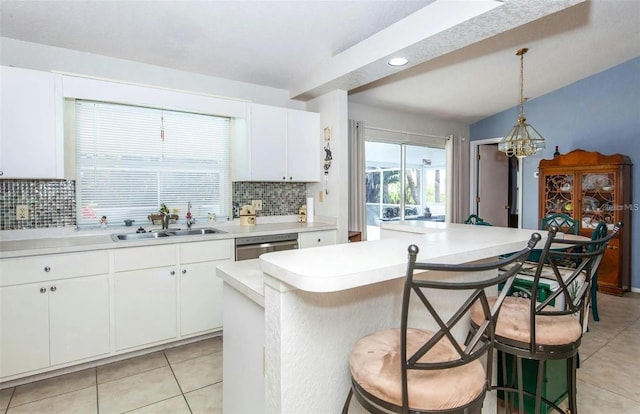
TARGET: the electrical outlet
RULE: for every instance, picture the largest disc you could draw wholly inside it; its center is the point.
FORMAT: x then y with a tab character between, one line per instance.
22	212
257	204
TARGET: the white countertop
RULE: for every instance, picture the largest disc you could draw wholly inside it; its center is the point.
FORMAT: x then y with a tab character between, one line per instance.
345	266
244	276
74	241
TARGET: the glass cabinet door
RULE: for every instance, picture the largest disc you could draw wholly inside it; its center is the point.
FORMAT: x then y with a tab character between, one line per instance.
559	194
598	195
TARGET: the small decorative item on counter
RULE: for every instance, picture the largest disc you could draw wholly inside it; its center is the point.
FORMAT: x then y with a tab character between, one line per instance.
211	217
156	218
247	215
236	209
302	214
103	222
128	222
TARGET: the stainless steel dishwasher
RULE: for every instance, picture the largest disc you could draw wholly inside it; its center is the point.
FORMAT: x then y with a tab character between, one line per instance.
252	247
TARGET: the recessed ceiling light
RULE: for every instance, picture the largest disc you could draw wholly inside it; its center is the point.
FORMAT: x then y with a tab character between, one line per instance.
398	61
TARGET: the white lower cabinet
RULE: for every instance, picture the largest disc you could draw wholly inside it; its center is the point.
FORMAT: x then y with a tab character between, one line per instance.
200	288
200	298
145	306
54	322
316	238
168	292
24	328
145	295
79	318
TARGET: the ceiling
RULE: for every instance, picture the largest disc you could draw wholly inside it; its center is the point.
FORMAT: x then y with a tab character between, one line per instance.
462	64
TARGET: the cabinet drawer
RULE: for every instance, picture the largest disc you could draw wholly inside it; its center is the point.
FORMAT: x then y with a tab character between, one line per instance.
206	251
317	238
50	267
144	257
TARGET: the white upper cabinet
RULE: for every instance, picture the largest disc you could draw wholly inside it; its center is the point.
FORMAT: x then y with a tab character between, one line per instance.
268	143
31	131
303	138
283	145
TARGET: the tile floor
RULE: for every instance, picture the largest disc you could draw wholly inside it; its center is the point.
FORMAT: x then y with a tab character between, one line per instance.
185	379
188	379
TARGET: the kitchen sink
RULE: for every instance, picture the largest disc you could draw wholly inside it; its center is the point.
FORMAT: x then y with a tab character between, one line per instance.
194	232
155	234
139	236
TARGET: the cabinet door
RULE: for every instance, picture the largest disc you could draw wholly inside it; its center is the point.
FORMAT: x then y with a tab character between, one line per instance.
145	306
598	195
31	127
24	328
558	194
316	238
200	298
268	140
78	318
303	137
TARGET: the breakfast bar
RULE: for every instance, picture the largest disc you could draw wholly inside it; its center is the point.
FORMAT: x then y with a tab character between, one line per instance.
319	301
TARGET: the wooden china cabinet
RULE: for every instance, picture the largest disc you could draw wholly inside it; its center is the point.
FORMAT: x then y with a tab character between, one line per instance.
592	187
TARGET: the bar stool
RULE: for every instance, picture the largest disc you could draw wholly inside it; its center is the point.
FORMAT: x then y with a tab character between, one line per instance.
530	329
410	370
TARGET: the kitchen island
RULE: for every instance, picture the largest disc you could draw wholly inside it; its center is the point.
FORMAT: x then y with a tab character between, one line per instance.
318	302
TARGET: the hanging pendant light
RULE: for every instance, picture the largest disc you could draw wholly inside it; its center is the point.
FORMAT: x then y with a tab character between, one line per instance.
523	140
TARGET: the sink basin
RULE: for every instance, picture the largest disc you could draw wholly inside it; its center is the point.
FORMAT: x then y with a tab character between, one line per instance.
139	236
194	232
154	234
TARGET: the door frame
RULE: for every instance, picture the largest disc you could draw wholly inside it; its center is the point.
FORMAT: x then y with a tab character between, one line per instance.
473	176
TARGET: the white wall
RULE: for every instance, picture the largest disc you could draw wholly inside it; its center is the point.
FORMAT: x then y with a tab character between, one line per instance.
333	114
47	58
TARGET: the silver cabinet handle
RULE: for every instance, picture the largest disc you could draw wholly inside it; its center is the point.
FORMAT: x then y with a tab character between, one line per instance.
184	271
53	288
47	269
173	273
43	290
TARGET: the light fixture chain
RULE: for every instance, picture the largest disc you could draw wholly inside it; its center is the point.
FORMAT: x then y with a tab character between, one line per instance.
522	83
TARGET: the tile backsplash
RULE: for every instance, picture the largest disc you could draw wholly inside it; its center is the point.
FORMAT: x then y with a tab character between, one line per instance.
51	203
278	199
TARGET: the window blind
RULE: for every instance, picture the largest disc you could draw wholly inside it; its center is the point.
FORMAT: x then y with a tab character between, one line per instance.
130	159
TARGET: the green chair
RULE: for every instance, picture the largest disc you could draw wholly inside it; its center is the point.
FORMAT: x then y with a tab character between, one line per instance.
565	224
598	233
473	219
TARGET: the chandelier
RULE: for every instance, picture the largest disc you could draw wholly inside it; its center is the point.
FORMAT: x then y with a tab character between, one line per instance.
523	140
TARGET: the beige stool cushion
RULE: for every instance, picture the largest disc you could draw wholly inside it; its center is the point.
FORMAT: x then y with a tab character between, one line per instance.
513	323
375	365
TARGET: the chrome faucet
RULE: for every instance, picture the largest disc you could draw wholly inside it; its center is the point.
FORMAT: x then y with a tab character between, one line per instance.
165	221
190	220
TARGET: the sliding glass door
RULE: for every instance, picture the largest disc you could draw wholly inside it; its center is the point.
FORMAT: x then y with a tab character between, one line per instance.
416	194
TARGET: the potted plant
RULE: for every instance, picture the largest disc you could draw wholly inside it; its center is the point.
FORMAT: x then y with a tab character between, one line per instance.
156	218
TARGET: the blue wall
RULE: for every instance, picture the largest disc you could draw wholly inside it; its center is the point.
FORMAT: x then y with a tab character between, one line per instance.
600	113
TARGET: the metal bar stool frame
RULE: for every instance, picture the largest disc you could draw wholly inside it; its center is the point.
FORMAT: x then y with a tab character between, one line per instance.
476	346
588	255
